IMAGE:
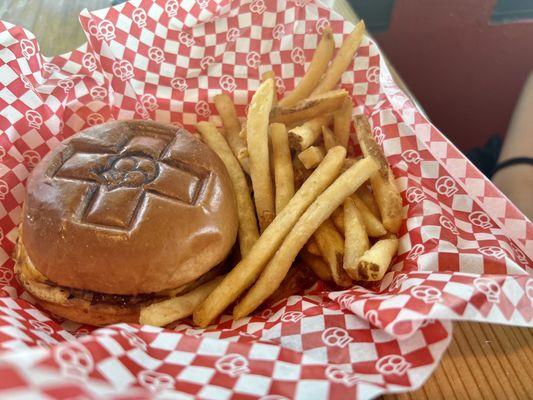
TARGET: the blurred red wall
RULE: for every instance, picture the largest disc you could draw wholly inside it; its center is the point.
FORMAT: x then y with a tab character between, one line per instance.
465	72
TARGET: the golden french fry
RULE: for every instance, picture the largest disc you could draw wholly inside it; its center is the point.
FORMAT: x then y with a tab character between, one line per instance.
258	152
312	247
248	233
383	185
329	138
367	196
299	278
309	108
242	134
349	162
307	224
271	75
300	172
317	67
338	219
281	159
311	156
341	122
231	123
244	274
355	238
375	262
317	264
176	308
342	60
373	226
303	136
331	245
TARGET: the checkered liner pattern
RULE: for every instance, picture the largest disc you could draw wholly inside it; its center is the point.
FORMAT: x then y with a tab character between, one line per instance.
465	250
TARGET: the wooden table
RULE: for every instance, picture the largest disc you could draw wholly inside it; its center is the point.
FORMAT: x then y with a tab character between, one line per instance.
483	361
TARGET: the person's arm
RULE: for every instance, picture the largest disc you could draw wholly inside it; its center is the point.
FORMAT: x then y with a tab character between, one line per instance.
516	181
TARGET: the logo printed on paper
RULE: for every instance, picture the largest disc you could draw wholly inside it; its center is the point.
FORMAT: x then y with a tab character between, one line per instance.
415	195
203	3
448	224
154	381
27	83
519	254
232	34
338	375
336	337
266	313
321	24
479	218
34	119
415	252
345	300
298	56
66	84
378	135
186	39
253	59
411	156
492	251
258	6
98	93
28	48
95	119
179	83
106	30
171	8
6	276
278	32
392	365
428	294
202	109
149	102
446	186
206	62
89	61
373	317
50	68
31	157
227	83
372	74
280	85
134	340
123	70
490	288
74	360
4	189
41	326
292	316
139	17
232	364
156	55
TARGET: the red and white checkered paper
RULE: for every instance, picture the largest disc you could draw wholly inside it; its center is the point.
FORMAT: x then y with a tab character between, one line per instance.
465	250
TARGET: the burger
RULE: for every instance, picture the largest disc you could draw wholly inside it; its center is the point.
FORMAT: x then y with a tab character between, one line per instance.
120	216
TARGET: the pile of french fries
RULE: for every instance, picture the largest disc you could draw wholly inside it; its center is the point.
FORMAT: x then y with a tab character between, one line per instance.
302	203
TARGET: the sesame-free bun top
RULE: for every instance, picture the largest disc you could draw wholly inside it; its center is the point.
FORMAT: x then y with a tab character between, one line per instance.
128	207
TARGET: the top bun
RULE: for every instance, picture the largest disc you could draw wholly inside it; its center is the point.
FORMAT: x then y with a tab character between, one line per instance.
128	207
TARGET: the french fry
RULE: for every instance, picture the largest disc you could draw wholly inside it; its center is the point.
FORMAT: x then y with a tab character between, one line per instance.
329	138
373	226
271	75
243	135
299	278
244	274
331	245
342	60
383	185
248	233
309	108
306	225
355	238
312	247
305	135
342	119
258	152
300	172
338	219
349	162
176	308
281	159
232	126
365	194
317	264
375	262
311	156
317	67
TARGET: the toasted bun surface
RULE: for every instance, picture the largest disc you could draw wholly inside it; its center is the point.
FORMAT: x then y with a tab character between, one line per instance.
127	208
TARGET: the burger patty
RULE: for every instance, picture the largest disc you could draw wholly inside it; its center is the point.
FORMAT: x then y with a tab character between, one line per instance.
113	299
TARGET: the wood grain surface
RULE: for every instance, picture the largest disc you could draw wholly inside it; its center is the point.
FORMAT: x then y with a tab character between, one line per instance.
483	361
